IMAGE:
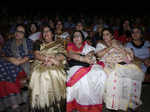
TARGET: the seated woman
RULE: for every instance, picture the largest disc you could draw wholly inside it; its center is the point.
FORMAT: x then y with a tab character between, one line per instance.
124	33
14	68
47	82
59	30
141	49
85	82
34	33
123	86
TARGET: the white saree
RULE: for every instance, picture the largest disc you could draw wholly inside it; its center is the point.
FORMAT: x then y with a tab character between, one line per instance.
88	90
123	85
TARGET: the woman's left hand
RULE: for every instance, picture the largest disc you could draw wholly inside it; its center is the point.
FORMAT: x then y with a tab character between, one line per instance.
55	62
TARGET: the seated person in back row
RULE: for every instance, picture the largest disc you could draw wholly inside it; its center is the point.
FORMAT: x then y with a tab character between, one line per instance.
140	48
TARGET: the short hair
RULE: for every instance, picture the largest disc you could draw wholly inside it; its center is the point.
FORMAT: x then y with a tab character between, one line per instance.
139	28
22	25
44	26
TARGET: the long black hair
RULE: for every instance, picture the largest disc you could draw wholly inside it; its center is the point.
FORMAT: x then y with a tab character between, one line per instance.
121	30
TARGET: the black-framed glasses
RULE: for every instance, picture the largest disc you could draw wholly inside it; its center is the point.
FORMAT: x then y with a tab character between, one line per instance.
21	32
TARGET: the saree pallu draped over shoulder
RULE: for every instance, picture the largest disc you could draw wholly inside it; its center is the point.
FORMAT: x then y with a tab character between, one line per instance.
85	84
47	83
124	82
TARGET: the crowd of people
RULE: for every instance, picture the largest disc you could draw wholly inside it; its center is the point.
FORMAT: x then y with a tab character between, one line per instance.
73	64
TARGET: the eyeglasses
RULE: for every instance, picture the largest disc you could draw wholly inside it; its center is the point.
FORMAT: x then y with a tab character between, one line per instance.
21	32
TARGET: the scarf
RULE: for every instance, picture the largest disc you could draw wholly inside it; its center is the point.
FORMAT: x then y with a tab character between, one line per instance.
16	54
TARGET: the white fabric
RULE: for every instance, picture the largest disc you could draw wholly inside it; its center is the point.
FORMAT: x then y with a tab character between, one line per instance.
35	36
89	89
123	87
99	47
64	35
87	48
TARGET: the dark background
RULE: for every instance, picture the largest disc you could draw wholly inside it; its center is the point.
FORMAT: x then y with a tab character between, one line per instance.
73	7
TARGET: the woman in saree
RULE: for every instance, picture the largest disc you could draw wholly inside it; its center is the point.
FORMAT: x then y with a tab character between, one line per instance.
14	69
123	85
47	82
85	81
